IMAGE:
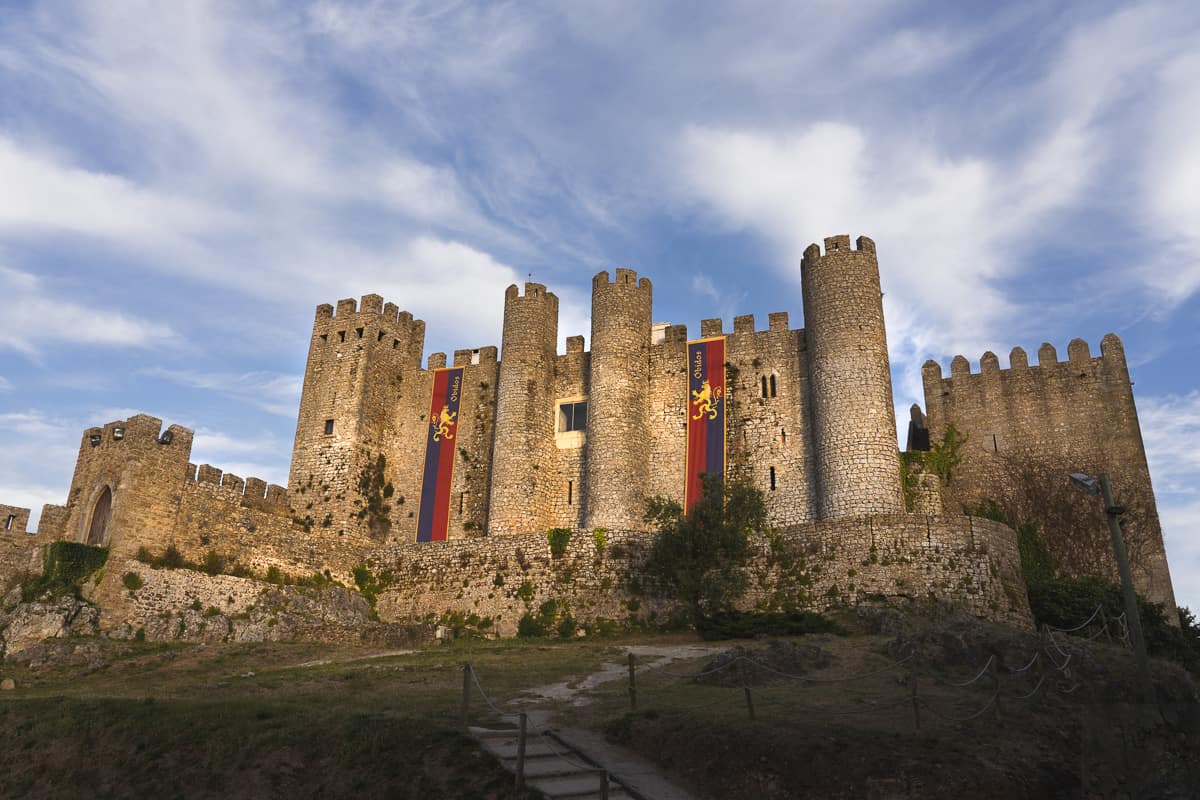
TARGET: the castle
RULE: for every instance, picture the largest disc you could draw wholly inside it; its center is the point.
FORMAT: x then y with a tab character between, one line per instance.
392	457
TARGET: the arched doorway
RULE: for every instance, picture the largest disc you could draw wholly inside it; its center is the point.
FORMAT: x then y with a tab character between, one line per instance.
101	514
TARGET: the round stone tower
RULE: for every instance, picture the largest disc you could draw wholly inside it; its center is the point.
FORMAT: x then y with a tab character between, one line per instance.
523	456
617	434
854	426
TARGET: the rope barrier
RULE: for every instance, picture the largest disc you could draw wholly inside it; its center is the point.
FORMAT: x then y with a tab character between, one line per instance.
1036	654
1099	610
931	710
845	679
1041	680
982	671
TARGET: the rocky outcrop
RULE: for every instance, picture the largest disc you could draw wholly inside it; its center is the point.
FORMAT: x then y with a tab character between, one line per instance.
23	625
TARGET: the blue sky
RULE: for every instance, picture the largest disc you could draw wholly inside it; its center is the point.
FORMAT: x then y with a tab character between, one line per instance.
182	183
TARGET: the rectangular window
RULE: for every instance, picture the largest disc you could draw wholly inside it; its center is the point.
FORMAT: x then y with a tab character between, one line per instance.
8	524
570	493
772	479
329	427
341	336
572	416
359	331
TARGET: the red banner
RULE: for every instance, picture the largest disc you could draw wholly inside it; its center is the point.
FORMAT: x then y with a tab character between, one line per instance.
433	513
706	416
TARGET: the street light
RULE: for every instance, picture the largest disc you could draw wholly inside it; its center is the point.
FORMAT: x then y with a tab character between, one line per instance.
1103	487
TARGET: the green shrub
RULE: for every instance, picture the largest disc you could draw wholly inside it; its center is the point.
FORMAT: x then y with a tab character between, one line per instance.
274	575
214	563
745	625
525	592
65	567
699	556
133	581
600	537
172	558
566	627
558	538
530	626
144	555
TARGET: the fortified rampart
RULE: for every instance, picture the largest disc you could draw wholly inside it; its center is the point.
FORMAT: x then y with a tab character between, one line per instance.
1027	426
580	439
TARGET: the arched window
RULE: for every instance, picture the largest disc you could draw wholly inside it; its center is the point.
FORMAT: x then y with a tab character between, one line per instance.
764	385
772	386
101	514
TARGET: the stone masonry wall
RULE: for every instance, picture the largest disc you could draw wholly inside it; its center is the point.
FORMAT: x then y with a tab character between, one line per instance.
968	562
854	426
618	445
769	436
523	451
568	490
358	361
1037	423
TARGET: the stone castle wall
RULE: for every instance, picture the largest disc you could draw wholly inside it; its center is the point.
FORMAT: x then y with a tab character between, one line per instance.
853	423
1032	425
809	423
970	563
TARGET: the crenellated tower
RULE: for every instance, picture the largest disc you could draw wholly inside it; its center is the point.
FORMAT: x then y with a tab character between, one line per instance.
358	357
857	466
617	436
523	454
1026	427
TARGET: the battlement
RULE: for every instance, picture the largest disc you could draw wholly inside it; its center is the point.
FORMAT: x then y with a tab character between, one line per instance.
836	245
624	277
574	344
1112	354
254	492
777	321
138	430
479	355
533	291
370	305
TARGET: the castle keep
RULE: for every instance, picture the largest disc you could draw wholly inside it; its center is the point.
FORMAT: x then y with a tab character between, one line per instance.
579	440
526	439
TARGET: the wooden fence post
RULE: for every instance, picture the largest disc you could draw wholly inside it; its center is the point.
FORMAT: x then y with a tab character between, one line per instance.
916	704
466	697
632	682
521	753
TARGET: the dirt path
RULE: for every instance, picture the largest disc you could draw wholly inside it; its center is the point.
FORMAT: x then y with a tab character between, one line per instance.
574	690
628	767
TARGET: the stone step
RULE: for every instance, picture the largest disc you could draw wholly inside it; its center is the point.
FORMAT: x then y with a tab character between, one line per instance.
508	750
493	733
579	785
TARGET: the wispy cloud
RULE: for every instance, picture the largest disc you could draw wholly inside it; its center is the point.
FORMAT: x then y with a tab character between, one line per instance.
272	392
29	321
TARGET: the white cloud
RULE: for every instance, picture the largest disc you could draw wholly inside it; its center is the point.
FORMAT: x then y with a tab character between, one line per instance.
1181	531
39	454
5	384
41	195
30	307
272	392
1171	433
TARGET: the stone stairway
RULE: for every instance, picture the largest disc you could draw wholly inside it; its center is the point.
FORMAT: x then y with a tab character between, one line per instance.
552	767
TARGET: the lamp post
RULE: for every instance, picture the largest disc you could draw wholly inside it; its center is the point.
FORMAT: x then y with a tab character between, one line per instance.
1103	487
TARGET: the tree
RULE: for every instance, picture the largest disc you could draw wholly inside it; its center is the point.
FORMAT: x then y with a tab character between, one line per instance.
700	557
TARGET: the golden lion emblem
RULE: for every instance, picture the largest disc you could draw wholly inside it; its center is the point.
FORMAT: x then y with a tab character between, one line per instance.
704	401
441	425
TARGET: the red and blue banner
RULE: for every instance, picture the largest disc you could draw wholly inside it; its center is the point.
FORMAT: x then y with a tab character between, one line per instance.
706	416
433	513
